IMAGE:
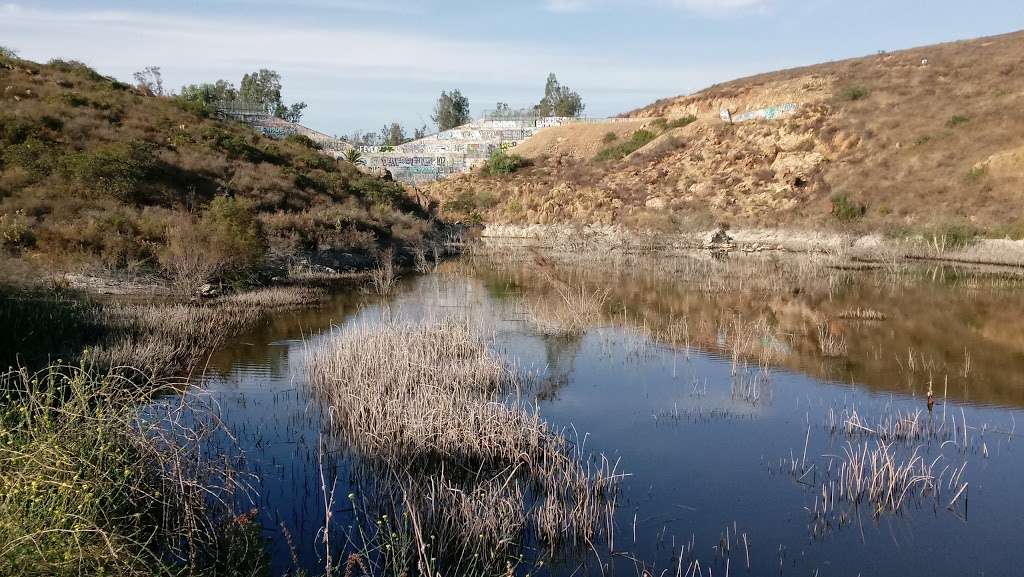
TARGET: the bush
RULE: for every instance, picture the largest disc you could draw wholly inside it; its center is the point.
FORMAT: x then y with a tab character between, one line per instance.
76	68
951	236
609	137
957	120
303	140
845	209
681	122
33	155
117	170
15	231
854	93
976	173
503	163
638	140
234	234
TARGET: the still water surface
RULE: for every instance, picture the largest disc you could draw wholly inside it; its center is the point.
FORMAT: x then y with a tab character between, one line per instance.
703	460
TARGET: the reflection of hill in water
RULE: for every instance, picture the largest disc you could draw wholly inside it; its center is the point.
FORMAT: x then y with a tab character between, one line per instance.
938	325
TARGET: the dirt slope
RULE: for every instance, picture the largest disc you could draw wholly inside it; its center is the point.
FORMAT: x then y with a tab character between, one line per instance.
928	137
580	141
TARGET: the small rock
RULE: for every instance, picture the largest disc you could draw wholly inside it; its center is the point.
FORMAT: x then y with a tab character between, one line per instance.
656	203
208	291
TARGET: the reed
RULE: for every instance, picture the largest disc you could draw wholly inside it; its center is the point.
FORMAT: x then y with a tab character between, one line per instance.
576	310
384	278
440	419
164	340
277	298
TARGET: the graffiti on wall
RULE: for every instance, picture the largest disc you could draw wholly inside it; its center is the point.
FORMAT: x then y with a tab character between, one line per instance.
768	113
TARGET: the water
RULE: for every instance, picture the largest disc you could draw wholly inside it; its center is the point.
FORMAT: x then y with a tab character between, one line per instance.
703	458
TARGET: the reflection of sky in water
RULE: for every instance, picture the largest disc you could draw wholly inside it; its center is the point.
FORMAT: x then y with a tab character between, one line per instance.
700	459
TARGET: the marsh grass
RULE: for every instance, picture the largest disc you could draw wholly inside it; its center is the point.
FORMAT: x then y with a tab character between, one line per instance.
472	468
277	298
575	310
89	486
162	340
384	278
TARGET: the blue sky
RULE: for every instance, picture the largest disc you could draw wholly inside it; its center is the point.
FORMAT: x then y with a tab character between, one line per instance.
361	63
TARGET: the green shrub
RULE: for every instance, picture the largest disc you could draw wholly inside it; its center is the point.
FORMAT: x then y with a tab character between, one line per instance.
957	120
116	170
16	231
8	53
381	192
33	155
845	209
609	137
303	140
976	173
234	234
681	122
853	93
638	140
501	162
76	68
951	236
659	123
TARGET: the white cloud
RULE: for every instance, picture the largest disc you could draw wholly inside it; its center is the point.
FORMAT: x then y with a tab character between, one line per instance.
701	7
720	7
568	6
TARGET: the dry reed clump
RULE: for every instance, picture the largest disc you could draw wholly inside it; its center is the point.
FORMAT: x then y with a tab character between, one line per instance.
277	298
476	469
574	311
384	278
164	340
89	485
886	478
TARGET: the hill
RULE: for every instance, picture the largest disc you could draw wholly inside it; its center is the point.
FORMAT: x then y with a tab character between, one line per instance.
896	142
96	175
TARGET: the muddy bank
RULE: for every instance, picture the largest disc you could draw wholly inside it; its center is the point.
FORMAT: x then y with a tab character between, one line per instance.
613	239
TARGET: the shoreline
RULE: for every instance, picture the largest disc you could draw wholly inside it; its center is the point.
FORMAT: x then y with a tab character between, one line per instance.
868	248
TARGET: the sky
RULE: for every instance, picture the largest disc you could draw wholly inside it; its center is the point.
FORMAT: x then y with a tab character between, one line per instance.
359	64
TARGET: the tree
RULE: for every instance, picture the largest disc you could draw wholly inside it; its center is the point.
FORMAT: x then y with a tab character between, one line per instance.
291	113
559	100
208	94
451	110
420	132
393	134
263	89
150	81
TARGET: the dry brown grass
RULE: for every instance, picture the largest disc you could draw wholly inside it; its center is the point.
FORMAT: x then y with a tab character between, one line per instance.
475	467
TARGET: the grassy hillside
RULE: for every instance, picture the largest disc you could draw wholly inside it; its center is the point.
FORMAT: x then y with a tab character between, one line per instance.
95	174
902	141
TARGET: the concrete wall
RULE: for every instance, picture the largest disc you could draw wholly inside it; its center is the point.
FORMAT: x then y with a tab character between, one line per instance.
454	151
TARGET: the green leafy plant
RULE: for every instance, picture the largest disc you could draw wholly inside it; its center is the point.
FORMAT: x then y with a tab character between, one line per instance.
847	210
957	120
502	162
609	137
355	157
681	122
854	93
638	140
